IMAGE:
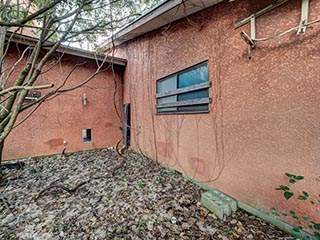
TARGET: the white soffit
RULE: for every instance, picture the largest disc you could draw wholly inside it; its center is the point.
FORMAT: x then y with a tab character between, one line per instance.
162	14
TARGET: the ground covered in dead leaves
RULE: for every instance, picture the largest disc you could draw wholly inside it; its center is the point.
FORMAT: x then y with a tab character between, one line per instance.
99	195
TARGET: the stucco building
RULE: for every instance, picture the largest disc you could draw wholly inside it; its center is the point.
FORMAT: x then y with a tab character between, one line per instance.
194	101
85	118
200	106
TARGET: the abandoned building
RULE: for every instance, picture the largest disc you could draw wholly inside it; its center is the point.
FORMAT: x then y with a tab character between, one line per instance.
225	92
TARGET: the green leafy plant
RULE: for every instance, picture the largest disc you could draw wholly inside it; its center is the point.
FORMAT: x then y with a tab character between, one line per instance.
287	193
159	179
32	169
302	195
141	225
141	184
45	159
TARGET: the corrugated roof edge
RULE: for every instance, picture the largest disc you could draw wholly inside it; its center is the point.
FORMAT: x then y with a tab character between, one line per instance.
27	40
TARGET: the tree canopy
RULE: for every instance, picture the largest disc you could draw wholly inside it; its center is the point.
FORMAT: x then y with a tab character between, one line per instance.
94	19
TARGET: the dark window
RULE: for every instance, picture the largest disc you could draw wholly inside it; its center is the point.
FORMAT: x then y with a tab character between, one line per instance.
126	124
86	135
184	92
32	95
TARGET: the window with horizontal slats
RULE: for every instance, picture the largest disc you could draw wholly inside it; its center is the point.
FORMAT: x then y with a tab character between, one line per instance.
186	91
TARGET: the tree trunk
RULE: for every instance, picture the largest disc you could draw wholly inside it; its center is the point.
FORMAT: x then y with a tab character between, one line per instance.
1	148
3	32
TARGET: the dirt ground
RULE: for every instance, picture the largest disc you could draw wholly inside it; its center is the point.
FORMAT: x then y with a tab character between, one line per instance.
100	195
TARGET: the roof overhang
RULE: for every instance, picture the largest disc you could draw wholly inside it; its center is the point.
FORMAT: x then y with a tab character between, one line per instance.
30	41
162	14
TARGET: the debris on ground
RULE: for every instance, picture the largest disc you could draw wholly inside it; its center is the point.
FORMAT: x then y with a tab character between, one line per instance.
100	195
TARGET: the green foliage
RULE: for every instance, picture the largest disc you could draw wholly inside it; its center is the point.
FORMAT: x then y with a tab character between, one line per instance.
141	225
293	178
305	196
302	196
274	212
94	18
283	188
288	195
141	184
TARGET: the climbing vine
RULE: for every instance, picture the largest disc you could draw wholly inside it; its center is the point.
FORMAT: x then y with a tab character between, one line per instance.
303	222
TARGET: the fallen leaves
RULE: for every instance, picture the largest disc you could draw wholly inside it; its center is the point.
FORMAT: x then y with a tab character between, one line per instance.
100	195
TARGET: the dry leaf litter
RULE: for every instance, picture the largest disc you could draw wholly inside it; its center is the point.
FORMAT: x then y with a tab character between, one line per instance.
100	195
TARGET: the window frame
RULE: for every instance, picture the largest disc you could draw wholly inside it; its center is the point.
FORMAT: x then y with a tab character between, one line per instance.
192	88
85	138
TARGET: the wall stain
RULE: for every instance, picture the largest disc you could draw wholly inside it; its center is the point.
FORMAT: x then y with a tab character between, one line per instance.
54	143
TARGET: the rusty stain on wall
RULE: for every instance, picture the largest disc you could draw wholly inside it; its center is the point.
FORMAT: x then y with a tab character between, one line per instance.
108	124
54	143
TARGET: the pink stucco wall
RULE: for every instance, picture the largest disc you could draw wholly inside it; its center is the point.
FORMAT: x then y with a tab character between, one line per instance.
63	118
264	118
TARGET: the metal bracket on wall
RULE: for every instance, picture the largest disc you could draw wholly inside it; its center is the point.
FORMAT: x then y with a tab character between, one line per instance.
261	12
252	34
253	27
250	40
304	17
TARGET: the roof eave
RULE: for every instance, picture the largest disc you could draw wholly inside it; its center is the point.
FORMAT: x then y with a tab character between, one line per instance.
161	15
26	40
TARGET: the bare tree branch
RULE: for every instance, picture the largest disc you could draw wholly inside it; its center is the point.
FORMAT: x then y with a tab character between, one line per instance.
13	68
30	17
19	88
33	77
55	93
49	94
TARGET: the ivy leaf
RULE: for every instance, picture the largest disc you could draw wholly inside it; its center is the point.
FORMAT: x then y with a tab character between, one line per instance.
287	195
305	194
317	235
294	177
274	212
305	218
283	188
298	177
316	226
297	229
294	215
290	175
292	181
302	198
